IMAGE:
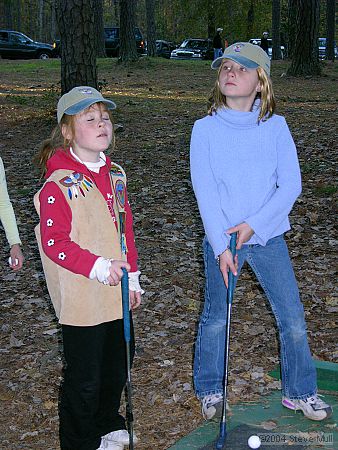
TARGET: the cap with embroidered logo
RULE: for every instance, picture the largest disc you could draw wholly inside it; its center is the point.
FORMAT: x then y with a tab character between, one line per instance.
80	98
246	54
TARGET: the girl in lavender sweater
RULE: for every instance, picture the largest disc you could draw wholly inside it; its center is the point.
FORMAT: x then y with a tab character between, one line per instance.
246	178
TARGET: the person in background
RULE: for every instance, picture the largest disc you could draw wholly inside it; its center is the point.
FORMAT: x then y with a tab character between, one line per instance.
217	43
8	221
265	42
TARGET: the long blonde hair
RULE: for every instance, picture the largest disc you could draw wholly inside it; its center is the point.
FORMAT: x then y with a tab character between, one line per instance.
57	141
268	104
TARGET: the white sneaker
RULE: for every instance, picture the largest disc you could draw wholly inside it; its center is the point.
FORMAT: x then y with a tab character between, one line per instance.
107	445
313	407
119	436
212	406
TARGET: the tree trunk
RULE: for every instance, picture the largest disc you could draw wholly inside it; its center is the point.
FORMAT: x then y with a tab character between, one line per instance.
78	47
251	19
41	19
230	34
330	29
99	27
8	14
52	20
116	12
151	28
276	51
127	31
292	11
18	14
211	19
305	51
30	11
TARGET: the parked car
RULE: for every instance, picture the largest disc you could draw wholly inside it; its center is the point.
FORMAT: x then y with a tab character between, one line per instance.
16	45
164	48
112	42
194	49
257	41
322	48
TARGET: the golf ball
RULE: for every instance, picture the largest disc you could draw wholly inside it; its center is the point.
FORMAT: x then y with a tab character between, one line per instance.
254	442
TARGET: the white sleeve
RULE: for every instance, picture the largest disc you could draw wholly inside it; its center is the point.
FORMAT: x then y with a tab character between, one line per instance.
134	283
100	270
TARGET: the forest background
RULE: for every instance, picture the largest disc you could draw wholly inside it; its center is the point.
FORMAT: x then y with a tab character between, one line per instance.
175	19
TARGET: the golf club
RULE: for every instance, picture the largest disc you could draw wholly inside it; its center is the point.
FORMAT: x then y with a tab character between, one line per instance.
126	327
220	444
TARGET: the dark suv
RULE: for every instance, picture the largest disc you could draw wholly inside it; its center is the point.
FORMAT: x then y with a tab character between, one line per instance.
16	45
112	41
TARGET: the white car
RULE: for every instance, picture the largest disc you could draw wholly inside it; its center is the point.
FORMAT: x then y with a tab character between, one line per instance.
257	41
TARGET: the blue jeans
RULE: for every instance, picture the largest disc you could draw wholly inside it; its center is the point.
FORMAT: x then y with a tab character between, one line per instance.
217	52
274	272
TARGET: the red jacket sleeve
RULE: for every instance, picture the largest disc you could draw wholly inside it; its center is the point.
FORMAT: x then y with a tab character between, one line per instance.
130	239
55	226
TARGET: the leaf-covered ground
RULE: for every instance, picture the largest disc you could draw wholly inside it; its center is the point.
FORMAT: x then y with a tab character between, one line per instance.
158	101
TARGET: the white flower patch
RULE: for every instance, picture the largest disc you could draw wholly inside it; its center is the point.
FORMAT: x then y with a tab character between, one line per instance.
50	242
49	222
62	256
51	199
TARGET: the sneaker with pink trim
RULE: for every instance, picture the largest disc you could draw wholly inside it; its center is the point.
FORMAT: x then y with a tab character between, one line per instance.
212	406
313	407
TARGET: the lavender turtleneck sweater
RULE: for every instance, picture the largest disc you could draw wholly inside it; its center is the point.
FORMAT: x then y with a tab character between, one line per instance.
243	171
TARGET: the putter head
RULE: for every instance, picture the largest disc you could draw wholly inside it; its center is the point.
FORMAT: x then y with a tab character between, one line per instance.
220	443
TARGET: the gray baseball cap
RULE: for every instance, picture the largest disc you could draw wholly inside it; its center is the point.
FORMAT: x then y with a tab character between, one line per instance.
78	99
248	55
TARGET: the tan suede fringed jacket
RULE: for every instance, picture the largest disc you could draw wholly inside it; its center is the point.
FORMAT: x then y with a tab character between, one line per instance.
77	300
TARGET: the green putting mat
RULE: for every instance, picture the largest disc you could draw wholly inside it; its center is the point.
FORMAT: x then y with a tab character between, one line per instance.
237	439
278	427
327	375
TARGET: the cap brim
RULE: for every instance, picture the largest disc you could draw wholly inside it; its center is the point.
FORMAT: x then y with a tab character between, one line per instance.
85	103
245	62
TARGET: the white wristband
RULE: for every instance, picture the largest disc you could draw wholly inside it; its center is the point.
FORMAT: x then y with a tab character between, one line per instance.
134	283
100	270
11	263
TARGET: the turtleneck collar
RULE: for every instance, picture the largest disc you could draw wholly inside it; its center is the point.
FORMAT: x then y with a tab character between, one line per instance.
240	119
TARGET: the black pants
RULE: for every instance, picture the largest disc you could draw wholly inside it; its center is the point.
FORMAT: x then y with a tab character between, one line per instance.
94	378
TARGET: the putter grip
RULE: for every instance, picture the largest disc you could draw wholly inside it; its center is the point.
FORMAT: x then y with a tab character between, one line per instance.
231	275
125	305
